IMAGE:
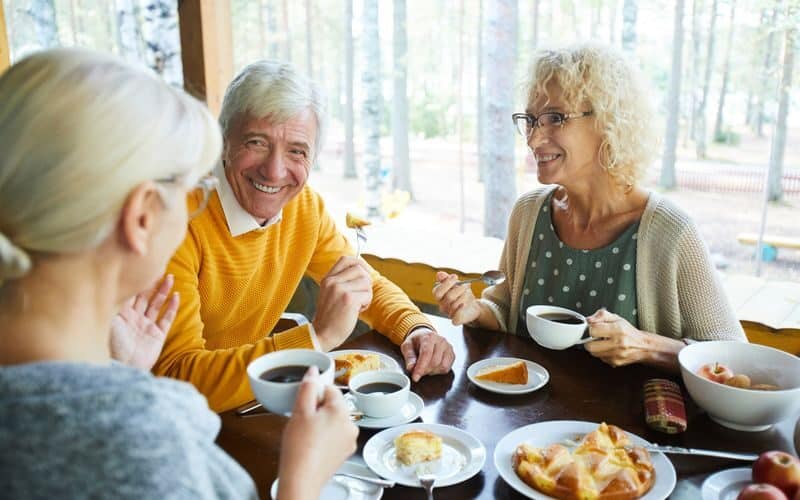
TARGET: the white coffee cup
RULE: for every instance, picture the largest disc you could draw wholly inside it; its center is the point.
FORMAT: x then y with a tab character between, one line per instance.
278	397
553	334
379	404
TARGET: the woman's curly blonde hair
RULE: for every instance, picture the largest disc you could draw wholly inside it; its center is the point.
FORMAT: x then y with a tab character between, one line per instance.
597	77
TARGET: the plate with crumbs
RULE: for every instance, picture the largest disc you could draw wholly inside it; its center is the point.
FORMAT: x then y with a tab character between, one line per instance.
463	456
538	376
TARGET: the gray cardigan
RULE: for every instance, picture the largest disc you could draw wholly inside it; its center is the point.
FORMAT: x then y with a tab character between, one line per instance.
678	292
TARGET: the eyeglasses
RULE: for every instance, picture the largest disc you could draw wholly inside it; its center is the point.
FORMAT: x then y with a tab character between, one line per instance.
526	123
207	184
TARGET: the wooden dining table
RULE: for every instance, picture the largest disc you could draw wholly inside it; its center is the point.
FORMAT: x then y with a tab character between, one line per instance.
581	387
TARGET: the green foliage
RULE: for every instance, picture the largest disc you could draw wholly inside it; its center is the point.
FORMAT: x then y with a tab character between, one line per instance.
429	115
728	137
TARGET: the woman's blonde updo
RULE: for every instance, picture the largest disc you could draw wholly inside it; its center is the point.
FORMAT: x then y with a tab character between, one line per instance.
596	77
78	131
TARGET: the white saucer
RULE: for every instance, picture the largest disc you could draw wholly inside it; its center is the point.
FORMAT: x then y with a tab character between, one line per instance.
538	376
726	484
387	362
410	411
463	456
342	488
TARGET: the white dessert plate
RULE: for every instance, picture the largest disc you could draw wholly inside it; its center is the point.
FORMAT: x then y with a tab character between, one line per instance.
387	362
344	487
545	433
463	456
410	411
726	484
538	376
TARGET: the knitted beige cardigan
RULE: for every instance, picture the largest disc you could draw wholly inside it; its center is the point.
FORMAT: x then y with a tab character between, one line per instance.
678	293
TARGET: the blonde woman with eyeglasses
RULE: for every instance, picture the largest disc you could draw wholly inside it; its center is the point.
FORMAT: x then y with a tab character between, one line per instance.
97	160
592	239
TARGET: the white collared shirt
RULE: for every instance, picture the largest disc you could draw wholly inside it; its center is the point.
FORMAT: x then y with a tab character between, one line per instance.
239	220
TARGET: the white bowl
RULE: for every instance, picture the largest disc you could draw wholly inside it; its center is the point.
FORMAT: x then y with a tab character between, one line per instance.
550	334
278	397
743	409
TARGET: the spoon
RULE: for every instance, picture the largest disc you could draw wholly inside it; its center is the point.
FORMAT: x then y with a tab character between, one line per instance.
489	277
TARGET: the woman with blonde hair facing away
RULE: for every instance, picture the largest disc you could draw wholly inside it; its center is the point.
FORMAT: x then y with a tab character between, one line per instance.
98	158
592	239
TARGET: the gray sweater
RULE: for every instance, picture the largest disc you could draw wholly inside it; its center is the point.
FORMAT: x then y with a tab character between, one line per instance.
70	430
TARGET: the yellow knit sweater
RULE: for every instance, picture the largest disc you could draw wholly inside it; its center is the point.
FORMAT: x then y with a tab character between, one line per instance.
233	291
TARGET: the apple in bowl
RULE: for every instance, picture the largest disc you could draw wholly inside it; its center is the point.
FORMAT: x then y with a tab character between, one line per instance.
715	372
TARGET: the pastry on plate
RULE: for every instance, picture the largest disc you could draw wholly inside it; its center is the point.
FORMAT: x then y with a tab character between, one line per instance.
514	373
351	364
417	446
604	466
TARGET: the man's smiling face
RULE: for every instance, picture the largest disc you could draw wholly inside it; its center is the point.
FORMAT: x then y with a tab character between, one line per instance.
267	163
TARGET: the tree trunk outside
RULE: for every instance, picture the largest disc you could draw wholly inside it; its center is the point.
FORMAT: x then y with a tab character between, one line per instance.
535	25
694	63
287	38
612	22
479	96
775	190
162	40
128	31
402	167
34	25
500	54
272	28
725	75
700	137
668	180
349	132
629	26
766	73
309	47
371	81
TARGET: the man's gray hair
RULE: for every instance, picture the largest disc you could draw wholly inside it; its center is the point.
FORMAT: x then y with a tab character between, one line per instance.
276	90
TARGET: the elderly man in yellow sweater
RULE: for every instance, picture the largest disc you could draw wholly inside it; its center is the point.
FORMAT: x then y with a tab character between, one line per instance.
262	231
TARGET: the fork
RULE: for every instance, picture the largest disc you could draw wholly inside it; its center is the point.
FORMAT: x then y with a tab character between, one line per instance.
426	480
361	239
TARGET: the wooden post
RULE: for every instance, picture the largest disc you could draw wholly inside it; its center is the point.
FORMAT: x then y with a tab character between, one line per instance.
5	59
206	49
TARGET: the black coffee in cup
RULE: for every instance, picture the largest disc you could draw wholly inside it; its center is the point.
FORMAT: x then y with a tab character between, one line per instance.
557	317
375	387
285	374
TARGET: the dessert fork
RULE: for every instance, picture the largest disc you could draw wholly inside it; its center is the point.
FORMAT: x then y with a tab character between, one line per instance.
361	239
426	480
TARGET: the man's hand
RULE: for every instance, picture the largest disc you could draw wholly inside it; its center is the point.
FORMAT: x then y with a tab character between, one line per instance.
137	334
426	353
456	301
343	293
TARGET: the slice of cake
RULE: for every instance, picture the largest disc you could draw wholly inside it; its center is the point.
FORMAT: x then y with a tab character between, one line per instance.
351	364
418	446
515	373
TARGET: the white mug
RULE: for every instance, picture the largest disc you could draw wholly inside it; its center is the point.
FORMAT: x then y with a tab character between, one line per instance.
278	397
552	334
380	404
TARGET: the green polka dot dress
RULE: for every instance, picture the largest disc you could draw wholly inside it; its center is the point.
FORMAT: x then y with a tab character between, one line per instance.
581	280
